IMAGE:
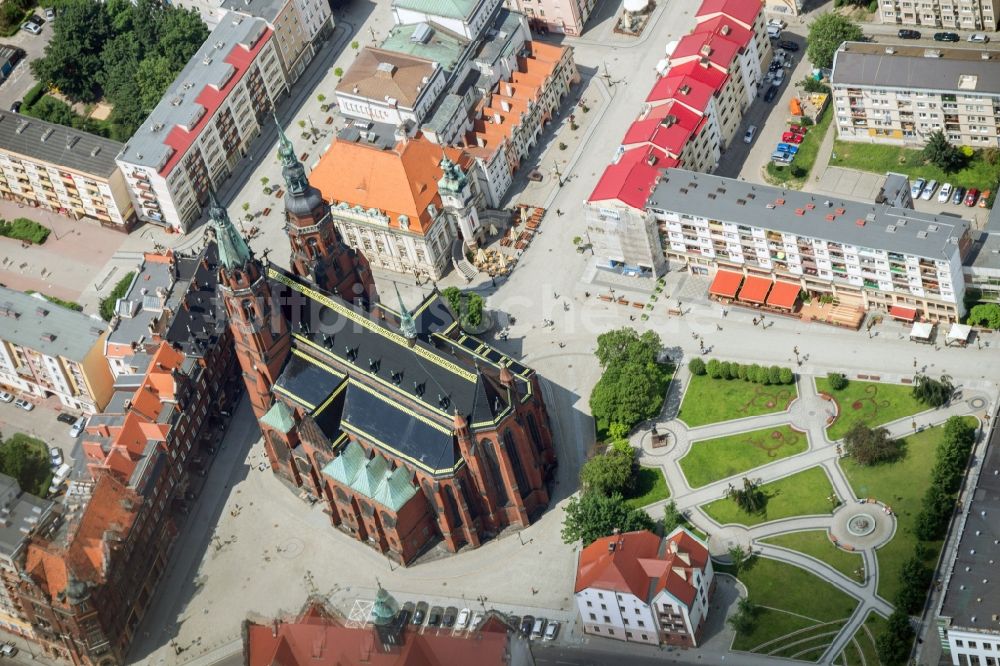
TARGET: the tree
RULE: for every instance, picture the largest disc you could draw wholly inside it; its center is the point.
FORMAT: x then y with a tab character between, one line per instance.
27	460
714	369
933	392
837	381
915	579
786	376
627	395
626	345
609	473
696	366
826	34
744	619
672	517
338	72
72	61
893	645
941	153
750	498
154	75
935	513
985	314
591	516
870	446
738	558
179	35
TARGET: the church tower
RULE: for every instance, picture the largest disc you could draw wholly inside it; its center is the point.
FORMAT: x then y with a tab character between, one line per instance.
260	332
318	253
456	197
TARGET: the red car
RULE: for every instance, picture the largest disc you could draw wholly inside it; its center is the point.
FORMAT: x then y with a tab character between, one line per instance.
791	137
971	197
797	129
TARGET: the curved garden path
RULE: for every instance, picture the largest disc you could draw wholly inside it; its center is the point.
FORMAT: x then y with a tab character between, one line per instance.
807	413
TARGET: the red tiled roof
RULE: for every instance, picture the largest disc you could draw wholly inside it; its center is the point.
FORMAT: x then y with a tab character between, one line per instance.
690	92
617	569
755	289
722	51
708	76
630	180
744	11
726	283
670	137
783	295
723	25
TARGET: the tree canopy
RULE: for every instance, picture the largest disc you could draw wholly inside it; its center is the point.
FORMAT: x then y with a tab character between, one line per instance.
826	35
870	446
941	153
592	515
985	314
933	392
893	645
125	52
749	497
609	473
27	460
634	384
625	345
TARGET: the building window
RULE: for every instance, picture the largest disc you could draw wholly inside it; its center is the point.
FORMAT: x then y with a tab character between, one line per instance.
593	617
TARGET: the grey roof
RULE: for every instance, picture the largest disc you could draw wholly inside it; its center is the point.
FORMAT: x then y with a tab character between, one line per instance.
23	513
137	310
427	40
984	255
861	224
56	144
25	319
208	67
993	221
956	70
973	589
895	191
265	9
382	135
502	37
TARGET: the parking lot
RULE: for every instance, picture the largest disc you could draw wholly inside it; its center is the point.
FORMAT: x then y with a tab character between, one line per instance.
21	80
42	423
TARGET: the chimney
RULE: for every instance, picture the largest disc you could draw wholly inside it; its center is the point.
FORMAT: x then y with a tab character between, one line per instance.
274	629
496	118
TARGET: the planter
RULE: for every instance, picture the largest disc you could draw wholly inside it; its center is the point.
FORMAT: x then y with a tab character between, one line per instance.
484	325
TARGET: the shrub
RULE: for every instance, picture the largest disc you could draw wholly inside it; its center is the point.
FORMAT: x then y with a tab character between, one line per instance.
985	314
32	96
837	381
338	72
696	366
742	370
774	375
107	305
24	229
786	376
714	369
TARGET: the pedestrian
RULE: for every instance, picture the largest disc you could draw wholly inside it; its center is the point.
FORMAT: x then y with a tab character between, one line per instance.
587	294
755	321
631	317
718	328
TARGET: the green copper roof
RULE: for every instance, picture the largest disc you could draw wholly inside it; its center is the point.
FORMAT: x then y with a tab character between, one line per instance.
385	607
442	46
291	168
371	478
233	248
458	9
279	417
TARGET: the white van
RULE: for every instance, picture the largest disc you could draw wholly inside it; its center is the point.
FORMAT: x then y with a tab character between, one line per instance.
774	32
59	478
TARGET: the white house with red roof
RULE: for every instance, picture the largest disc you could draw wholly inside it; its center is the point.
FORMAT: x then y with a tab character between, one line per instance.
638	587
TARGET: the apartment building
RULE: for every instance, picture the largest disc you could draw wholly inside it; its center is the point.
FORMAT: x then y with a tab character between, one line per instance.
204	124
47	350
637	587
875	255
399	201
902	94
389	87
300	28
968	616
956	14
568	18
63	170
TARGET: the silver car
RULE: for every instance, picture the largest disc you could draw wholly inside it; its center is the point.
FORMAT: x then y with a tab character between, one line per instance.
929	189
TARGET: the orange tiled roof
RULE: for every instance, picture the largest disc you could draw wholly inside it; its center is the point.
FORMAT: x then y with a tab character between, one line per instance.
400	181
109	513
47	568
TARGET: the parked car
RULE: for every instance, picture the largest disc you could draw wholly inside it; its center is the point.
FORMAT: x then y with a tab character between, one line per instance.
16	106
36	19
788	45
434	618
55	456
929	190
788	148
8	650
769	96
945	193
24	404
908	34
538	629
774	32
946	37
448	620
777	23
979	38
50	14
958	195
781	157
972	197
6	397
750	133
798	129
463	618
403	617
552	630
33	28
420	614
791	137
778	77
65	417
77	428
983	198
476	619
917	188
527	622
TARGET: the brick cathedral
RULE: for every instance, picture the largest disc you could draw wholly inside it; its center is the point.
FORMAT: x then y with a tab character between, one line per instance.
408	430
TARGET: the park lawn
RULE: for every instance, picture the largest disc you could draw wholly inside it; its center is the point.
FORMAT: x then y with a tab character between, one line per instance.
871	403
901	485
785	587
817	544
879	159
710	400
865	636
806	157
805	493
650	486
713	459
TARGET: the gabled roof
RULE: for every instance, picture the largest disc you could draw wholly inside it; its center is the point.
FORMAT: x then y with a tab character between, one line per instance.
744	11
379	75
458	9
371	477
692	92
723	25
717	49
279	417
631	178
667	127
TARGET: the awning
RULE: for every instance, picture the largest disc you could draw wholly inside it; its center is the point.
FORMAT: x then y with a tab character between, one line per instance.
921	331
783	295
959	333
906	314
755	289
726	284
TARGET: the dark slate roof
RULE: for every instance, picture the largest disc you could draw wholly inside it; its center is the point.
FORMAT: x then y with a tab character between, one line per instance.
307	382
199	324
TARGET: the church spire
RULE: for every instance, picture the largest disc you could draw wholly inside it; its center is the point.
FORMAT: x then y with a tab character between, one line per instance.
291	168
406	324
233	248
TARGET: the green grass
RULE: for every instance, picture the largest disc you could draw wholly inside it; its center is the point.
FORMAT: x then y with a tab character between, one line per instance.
805	158
806	599
72	305
817	544
901	485
23	229
801	494
710	400
871	403
865	637
881	158
650	486
713	459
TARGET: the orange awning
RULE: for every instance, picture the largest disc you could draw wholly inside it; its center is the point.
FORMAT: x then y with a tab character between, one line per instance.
726	284
755	289
783	295
906	314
